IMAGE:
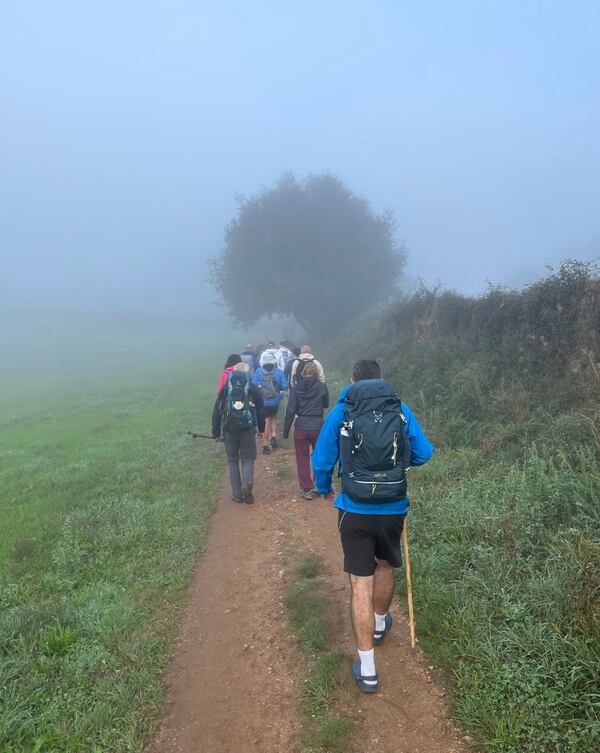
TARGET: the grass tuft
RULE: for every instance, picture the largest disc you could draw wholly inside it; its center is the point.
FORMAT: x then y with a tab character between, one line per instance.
310	566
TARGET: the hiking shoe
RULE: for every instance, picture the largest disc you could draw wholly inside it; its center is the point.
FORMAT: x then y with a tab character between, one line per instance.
306	494
266	450
273	443
247	495
239	500
379	635
366	684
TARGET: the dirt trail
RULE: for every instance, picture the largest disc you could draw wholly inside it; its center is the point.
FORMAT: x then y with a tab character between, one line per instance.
235	684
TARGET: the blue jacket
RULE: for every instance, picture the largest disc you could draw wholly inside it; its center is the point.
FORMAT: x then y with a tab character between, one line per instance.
279	376
254	358
327	454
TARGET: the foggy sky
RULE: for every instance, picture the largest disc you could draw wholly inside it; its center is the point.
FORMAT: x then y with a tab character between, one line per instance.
127	128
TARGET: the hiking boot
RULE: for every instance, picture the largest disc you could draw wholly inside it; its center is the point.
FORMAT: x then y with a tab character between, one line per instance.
366	684
266	450
273	443
379	635
306	494
247	495
239	500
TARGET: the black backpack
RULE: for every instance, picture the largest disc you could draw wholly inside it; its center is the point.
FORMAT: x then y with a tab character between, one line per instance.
239	411
299	369
374	448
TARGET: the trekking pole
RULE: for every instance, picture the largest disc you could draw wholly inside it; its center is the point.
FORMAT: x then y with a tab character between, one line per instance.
218	442
195	435
411	611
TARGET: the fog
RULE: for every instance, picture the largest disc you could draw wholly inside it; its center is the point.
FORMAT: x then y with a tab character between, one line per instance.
129	128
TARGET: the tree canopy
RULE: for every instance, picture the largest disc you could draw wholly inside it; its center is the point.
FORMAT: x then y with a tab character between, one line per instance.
310	249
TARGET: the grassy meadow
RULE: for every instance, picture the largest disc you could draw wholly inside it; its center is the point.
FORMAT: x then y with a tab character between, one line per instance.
104	505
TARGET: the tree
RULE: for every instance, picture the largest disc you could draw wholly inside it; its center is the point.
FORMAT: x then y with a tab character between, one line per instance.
312	250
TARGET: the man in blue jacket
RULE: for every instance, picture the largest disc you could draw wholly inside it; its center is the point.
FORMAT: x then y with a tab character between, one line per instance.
370	531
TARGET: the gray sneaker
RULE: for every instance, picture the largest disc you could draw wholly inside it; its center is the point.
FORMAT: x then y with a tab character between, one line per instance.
306	493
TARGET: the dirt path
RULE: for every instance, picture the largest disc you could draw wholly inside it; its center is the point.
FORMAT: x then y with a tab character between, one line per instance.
235	684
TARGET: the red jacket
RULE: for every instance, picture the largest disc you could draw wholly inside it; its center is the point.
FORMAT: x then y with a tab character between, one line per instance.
223	379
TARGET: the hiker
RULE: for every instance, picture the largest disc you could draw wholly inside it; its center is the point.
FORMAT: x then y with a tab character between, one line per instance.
237	415
271	381
307	405
288	369
305	356
375	437
231	361
249	356
283	355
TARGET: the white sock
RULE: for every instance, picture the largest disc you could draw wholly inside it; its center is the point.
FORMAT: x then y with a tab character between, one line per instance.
367	663
380	622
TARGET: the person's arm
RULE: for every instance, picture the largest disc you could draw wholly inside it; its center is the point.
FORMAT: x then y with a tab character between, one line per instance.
216	416
259	403
327	451
325	396
257	375
290	414
320	370
283	382
421	448
221	382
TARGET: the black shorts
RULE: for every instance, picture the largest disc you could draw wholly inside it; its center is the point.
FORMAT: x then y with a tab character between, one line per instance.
367	538
271	411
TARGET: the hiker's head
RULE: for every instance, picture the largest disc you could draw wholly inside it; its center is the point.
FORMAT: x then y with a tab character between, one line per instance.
250	348
268	361
232	360
270	344
305	349
365	369
310	370
296	352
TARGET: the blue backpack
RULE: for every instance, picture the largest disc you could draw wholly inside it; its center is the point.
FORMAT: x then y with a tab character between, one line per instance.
240	412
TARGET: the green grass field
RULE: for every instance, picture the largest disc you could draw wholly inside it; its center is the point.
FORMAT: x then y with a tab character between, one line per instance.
104	507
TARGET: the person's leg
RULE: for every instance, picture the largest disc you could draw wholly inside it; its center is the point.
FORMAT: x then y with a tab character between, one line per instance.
273	440
389	556
302	446
267	434
248	456
313	437
357	535
361	610
383	591
232	448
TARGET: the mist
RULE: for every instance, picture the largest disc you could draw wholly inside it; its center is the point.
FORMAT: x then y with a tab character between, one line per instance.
129	129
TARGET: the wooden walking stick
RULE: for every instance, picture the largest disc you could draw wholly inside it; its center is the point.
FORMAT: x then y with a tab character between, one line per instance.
411	611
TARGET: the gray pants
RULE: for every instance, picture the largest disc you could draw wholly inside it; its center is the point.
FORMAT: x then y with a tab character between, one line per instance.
240	446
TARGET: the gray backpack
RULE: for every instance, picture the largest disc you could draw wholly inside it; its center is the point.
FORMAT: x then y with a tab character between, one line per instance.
269	385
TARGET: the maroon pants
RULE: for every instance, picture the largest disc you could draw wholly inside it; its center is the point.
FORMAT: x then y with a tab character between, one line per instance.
304	441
